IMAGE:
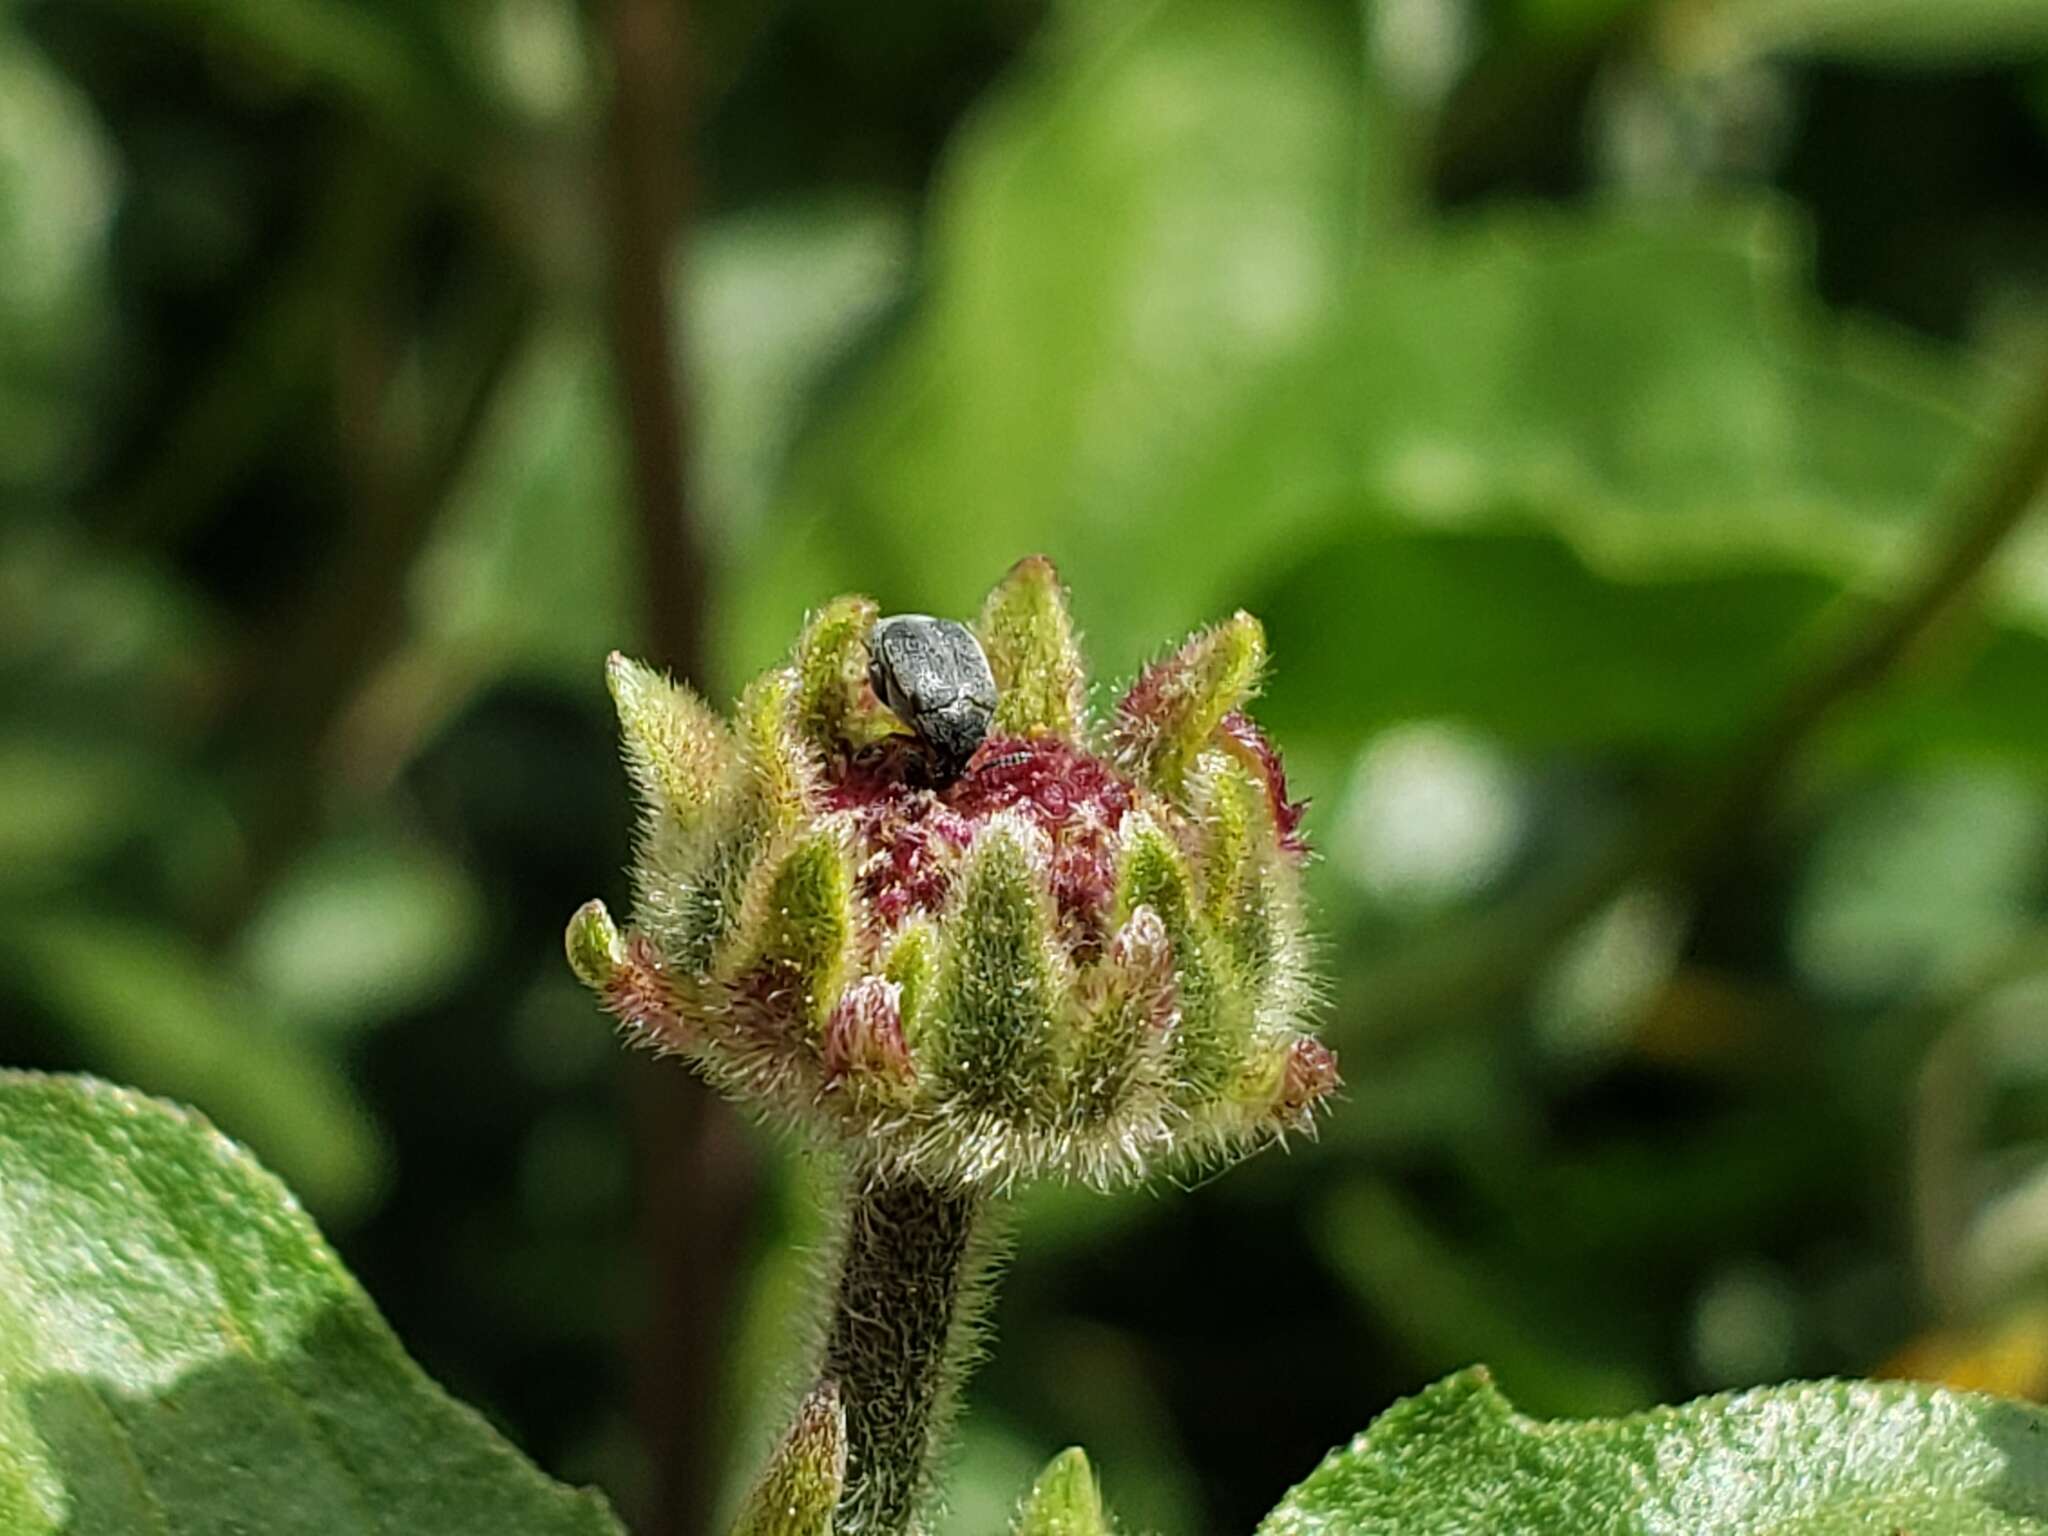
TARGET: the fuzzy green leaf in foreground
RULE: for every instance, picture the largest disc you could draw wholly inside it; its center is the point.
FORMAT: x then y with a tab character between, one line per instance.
181	1351
1815	1459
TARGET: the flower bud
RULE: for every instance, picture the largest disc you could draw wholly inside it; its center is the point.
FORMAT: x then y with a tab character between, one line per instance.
1215	1018
1078	951
677	751
833	709
1240	735
798	922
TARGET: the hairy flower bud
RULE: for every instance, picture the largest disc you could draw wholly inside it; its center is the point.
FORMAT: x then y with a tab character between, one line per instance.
1078	952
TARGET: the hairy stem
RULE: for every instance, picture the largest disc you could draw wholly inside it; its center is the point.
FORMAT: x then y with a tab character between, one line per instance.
895	1343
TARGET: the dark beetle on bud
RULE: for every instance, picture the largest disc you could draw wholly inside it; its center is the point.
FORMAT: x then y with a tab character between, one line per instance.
934	678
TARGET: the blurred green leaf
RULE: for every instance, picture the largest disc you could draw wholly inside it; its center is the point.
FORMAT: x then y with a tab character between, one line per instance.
362	928
1826	1459
1918	883
383	61
1571	19
1661	387
57	194
1147	218
992	1460
62	803
1608	471
1515	633
773	300
92	635
179	1349
529	569
1451	1308
1947	35
534	565
534	53
143	1003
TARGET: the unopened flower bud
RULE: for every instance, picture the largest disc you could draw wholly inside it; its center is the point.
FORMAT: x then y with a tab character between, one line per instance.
1078	951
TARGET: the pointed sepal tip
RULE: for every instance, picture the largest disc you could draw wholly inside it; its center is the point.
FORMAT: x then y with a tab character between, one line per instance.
1041	680
1065	1501
800	1487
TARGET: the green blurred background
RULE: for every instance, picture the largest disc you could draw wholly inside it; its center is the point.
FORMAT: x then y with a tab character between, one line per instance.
1568	383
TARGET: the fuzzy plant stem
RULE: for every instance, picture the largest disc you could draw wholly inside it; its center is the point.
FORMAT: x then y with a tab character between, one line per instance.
895	1344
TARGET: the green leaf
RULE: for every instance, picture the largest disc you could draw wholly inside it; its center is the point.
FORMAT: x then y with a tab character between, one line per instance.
64	803
1041	678
386	67
180	1351
1155	209
1513	633
1581	475
1446	1303
998	979
145	1004
1820	1459
1660	389
531	562
1609	471
57	198
1955	33
774	300
362	928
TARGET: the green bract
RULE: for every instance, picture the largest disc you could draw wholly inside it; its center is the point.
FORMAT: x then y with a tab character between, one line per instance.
800	1489
1064	1501
1083	956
